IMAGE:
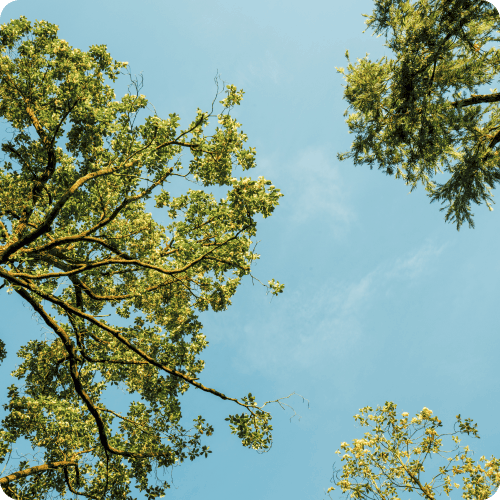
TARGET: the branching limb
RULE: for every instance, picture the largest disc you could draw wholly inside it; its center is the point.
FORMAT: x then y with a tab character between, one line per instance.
76	380
54	212
128	260
35	470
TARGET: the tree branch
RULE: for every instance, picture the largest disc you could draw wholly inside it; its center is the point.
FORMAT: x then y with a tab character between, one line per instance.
50	217
116	333
77	383
35	470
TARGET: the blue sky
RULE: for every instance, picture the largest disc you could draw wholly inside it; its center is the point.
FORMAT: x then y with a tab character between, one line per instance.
384	301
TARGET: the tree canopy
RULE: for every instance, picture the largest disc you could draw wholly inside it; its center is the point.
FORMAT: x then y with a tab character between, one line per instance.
390	460
421	114
74	235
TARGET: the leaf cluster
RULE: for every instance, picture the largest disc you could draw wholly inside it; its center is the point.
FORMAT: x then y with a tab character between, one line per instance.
390	460
74	234
420	114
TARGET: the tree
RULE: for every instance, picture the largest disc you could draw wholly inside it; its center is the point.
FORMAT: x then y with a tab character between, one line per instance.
421	114
380	466
74	234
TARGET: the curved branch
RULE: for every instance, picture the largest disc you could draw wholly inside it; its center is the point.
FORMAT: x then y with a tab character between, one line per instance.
77	383
116	333
52	246
35	470
70	486
54	212
93	296
116	361
127	260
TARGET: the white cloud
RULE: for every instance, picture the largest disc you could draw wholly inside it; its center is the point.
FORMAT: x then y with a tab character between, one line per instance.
415	264
309	331
314	189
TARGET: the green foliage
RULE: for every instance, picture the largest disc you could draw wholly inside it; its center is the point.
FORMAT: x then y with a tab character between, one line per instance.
254	431
74	234
3	352
420	114
390	460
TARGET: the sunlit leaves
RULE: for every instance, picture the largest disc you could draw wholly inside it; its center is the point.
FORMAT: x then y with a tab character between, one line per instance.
411	116
74	235
390	460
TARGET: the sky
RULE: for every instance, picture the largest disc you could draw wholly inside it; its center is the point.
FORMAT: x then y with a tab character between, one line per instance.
383	300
